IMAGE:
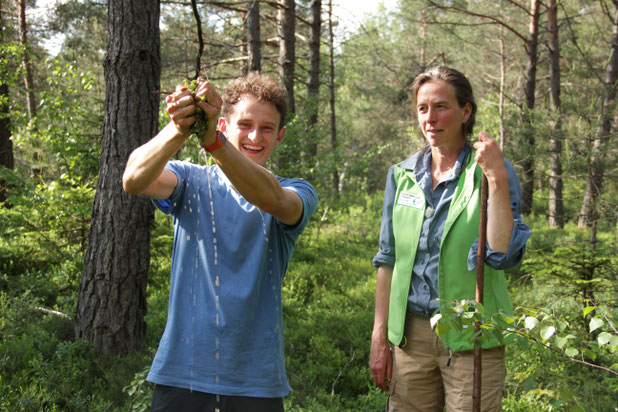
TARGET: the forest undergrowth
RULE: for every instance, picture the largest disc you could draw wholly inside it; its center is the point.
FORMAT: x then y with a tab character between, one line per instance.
328	300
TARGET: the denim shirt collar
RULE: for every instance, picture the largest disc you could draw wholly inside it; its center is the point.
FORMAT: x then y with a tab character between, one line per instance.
420	162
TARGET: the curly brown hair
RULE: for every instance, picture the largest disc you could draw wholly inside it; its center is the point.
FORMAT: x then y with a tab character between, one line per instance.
262	86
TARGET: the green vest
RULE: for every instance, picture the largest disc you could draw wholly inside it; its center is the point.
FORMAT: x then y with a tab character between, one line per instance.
461	230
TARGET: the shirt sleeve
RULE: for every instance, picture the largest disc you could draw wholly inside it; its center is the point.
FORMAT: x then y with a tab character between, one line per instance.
170	205
309	197
519	235
386	251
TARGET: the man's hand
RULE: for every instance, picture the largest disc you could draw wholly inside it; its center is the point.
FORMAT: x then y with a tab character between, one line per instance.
210	102
381	362
181	107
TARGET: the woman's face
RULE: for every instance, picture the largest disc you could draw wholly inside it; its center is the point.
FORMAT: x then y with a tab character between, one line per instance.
439	115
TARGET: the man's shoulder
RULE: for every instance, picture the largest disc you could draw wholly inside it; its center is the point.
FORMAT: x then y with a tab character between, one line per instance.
296	183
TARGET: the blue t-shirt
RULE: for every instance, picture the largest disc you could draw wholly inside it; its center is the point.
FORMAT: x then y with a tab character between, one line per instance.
224	331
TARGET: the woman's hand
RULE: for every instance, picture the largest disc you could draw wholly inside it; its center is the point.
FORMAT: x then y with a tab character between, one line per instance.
490	159
381	362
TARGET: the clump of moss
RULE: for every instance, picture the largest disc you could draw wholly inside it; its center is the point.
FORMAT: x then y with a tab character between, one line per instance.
200	127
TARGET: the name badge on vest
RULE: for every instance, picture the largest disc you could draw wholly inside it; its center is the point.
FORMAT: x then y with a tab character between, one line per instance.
412	200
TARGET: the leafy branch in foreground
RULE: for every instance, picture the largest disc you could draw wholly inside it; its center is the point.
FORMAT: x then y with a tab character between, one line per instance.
541	326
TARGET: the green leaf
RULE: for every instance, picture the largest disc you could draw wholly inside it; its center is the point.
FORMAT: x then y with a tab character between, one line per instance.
442	329
604	338
561	341
595	323
529	384
571	352
566	394
588	309
508	319
531	322
590	354
547	332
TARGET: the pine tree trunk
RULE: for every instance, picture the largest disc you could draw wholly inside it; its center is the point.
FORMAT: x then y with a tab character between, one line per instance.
6	144
529	90
333	123
287	49
502	82
556	211
112	296
23	38
313	82
588	212
253	39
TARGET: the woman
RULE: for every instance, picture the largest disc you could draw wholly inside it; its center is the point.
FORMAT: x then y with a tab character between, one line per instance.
427	255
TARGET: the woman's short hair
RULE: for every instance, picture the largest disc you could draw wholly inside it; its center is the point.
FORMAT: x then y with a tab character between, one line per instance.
463	91
263	87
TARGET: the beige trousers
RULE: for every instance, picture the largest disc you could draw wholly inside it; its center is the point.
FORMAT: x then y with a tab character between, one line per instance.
423	379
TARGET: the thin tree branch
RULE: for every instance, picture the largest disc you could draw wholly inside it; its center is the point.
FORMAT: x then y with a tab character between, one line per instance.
482	16
200	38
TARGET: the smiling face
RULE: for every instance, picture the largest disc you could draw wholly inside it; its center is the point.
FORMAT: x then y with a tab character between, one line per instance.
440	117
253	128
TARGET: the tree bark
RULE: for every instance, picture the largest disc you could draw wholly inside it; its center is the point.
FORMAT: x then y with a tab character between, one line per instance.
112	297
502	82
6	144
26	65
529	91
287	52
333	119
588	213
556	210
253	36
313	82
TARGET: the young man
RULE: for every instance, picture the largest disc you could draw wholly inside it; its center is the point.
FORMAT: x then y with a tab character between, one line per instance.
235	228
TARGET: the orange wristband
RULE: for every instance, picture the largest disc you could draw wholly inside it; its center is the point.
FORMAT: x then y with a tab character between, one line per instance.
219	142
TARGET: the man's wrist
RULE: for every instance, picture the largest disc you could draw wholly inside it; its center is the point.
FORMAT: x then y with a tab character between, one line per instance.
217	144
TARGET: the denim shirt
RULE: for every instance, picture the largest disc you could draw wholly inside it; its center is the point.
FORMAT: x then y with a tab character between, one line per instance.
423	297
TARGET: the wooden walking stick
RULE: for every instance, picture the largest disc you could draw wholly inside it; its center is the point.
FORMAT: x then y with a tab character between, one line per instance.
480	284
